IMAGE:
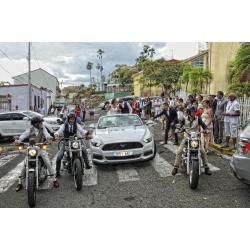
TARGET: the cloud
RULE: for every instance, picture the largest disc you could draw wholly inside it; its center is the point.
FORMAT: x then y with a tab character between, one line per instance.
67	61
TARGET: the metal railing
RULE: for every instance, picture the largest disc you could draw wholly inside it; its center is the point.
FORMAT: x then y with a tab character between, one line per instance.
244	110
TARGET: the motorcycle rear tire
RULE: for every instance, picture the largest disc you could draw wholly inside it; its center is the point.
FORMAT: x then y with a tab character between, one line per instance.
194	174
31	189
77	174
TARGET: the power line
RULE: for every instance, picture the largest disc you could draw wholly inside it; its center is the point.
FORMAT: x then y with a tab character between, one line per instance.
40	67
10	73
8	57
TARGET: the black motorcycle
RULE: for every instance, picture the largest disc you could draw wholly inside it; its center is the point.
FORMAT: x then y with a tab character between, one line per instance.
191	158
35	169
73	160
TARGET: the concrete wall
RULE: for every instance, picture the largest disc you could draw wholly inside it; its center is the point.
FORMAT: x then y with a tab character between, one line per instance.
220	56
39	78
20	96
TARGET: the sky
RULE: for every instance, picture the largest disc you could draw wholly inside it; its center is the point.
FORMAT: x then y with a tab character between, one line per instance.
67	61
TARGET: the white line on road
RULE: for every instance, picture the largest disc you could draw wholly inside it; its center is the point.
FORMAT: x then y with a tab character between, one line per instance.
10	178
127	174
174	148
162	167
5	159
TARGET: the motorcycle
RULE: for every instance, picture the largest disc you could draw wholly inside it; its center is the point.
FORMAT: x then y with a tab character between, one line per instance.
191	158
73	160
35	168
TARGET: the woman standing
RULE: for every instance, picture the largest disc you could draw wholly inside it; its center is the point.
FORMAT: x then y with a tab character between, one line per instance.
113	107
78	113
207	118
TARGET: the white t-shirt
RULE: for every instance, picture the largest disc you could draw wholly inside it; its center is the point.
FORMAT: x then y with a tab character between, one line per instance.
231	108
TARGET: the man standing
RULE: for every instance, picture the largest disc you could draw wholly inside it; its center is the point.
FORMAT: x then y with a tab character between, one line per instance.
231	120
172	120
83	111
218	117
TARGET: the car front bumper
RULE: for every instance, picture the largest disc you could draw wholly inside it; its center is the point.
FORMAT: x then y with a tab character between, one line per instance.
240	166
135	155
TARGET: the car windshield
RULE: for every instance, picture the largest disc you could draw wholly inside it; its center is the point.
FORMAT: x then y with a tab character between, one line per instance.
32	114
119	121
246	131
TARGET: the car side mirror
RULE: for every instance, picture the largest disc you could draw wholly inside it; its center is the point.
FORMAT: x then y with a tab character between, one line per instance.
26	118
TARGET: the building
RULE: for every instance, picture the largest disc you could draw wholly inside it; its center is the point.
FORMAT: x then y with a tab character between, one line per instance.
198	61
41	79
220	56
18	95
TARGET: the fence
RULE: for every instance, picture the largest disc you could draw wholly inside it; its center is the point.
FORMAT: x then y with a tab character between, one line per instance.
244	109
5	104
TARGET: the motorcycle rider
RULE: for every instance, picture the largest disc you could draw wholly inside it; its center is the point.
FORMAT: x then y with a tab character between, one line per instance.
192	123
37	132
70	128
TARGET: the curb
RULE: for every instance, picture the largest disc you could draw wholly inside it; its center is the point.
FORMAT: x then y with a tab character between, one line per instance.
221	150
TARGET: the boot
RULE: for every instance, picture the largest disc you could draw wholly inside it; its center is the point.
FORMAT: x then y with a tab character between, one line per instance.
207	171
19	187
56	184
88	166
226	145
175	171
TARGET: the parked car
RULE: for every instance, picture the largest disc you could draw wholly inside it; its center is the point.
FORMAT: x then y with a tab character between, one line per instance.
121	138
54	122
14	123
240	162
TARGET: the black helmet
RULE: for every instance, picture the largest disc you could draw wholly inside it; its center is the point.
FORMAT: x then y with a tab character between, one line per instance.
36	119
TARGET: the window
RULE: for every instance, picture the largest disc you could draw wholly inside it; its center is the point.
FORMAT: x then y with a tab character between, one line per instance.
5	117
17	116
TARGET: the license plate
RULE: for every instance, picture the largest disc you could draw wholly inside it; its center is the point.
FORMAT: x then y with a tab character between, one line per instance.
122	154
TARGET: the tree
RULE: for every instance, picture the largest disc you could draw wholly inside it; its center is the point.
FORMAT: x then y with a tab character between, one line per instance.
207	78
100	52
239	72
162	73
89	67
185	78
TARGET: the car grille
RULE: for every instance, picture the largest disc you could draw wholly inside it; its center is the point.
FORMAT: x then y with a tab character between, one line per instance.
123	157
122	146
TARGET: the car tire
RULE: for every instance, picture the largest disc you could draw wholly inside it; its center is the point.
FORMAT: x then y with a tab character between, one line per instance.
151	158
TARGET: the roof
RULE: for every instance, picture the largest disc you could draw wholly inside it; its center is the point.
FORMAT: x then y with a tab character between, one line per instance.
34	71
196	56
21	85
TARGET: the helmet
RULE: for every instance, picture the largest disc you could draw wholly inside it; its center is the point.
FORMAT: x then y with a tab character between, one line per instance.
36	119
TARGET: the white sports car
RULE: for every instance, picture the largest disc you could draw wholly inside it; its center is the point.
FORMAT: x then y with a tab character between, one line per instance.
122	138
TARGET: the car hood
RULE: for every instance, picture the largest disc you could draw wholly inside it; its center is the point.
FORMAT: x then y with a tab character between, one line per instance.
110	135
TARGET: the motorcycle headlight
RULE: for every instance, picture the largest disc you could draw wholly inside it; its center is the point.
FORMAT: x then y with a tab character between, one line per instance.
194	144
32	152
75	144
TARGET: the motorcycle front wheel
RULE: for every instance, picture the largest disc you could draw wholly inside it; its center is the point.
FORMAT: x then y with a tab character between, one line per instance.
77	166
31	189
194	174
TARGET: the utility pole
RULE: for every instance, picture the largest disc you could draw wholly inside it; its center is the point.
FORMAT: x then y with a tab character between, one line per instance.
29	76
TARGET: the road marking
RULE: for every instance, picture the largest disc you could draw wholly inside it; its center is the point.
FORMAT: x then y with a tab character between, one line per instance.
5	159
174	148
162	167
127	174
90	176
10	178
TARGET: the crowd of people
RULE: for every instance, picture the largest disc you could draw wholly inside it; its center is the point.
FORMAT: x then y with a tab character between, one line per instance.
220	115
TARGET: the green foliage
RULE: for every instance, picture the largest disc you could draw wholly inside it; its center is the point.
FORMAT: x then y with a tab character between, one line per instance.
162	73
199	78
239	72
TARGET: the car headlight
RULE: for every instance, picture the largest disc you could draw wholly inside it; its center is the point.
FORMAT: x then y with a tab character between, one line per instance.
96	144
32	152
194	144
75	145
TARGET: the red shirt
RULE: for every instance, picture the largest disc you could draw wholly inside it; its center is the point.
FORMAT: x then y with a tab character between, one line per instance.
78	112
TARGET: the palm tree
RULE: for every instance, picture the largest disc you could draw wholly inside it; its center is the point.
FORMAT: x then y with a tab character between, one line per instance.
151	52
99	56
89	67
207	77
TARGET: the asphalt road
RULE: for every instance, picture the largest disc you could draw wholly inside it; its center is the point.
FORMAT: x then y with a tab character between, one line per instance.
132	185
